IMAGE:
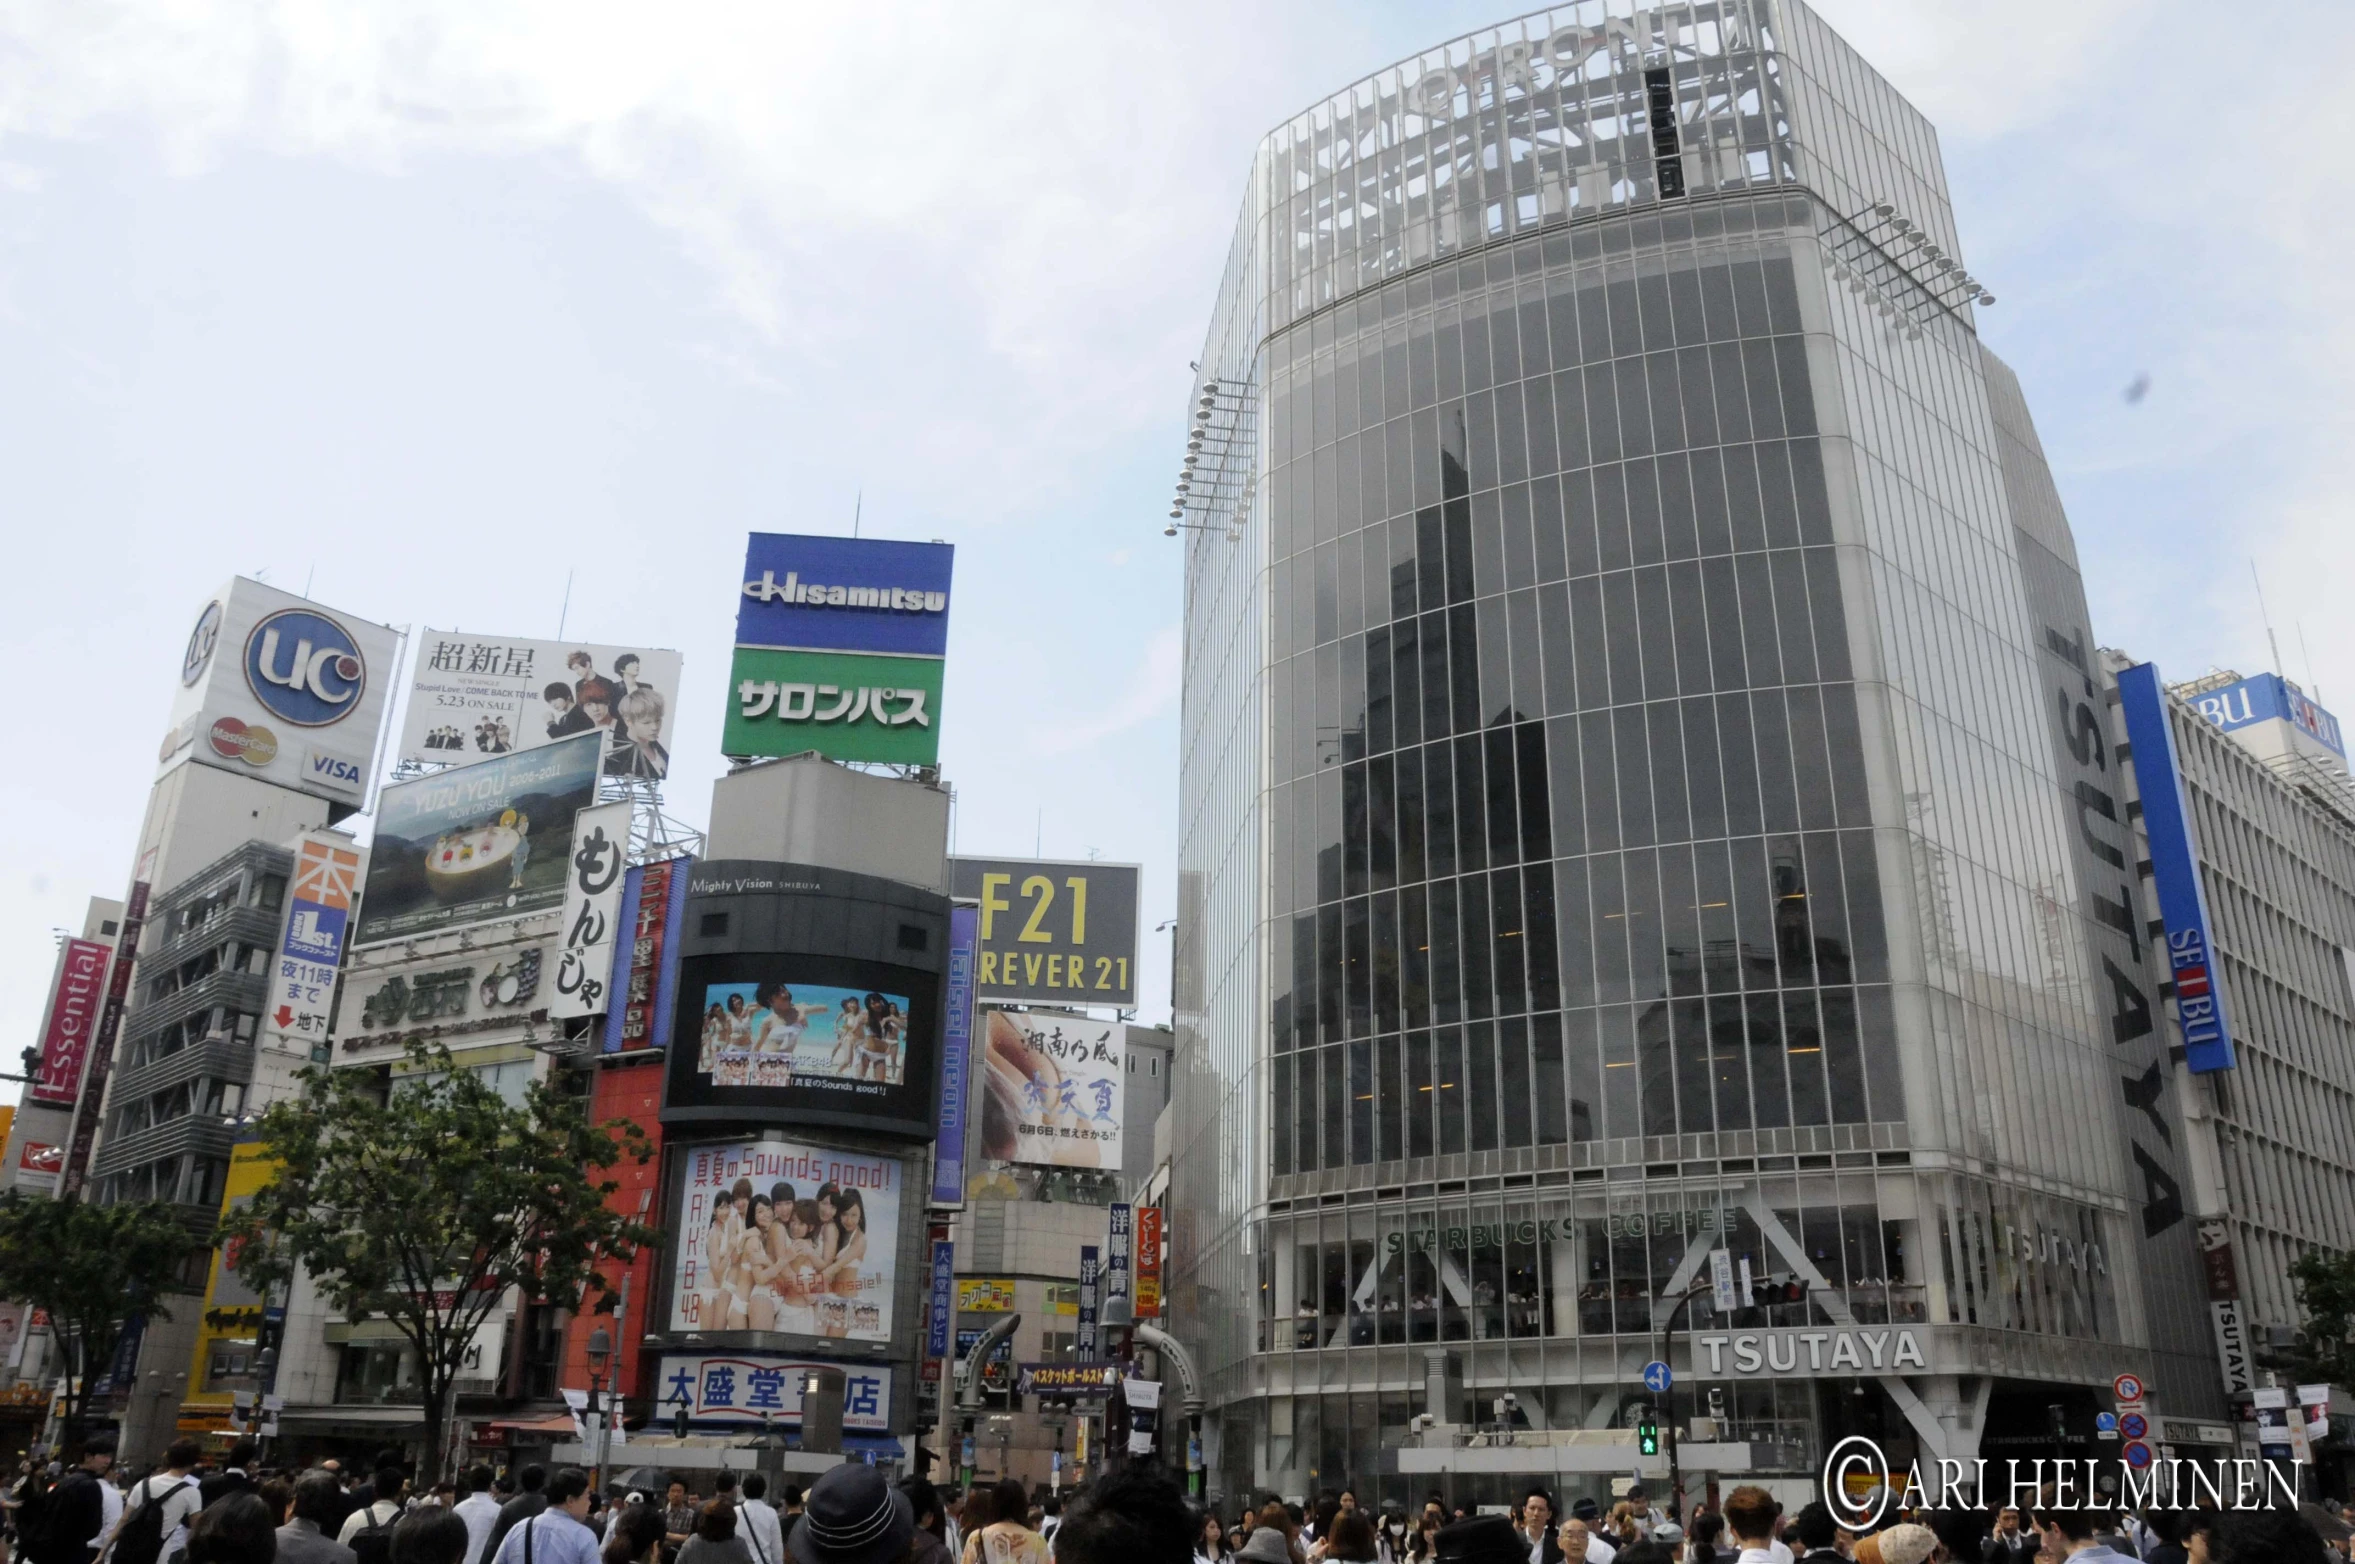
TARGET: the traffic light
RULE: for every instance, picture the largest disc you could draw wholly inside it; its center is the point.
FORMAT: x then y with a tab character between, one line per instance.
679	1421
1647	1433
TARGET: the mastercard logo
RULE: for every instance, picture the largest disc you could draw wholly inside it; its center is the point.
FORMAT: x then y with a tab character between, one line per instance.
233	739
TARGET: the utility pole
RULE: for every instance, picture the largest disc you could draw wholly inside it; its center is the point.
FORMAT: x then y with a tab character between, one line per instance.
1667	1342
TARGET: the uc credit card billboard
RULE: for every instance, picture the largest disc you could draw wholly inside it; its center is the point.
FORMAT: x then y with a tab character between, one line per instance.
840	645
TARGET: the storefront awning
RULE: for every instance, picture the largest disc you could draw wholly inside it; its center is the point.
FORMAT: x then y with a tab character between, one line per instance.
559	1424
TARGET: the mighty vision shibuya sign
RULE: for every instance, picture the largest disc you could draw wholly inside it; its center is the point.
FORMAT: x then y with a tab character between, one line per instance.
839	649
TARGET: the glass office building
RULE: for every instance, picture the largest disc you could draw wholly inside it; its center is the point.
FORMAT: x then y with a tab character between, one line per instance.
1621	809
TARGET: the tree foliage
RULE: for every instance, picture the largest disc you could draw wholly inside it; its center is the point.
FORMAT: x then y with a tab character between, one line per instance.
424	1201
94	1269
2324	1282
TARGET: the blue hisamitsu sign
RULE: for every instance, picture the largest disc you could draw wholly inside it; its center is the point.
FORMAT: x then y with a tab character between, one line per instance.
2175	871
845	595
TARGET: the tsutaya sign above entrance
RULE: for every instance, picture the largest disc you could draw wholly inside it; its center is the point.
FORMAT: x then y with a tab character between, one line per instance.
1849	1350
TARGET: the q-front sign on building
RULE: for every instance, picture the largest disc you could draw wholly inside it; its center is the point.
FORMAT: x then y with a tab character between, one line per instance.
839	648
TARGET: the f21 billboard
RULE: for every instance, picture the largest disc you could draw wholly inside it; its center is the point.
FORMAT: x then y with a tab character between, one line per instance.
280	688
840	644
1053	932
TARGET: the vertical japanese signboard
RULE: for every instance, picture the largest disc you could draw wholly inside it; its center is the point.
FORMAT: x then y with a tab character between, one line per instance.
646	970
956	1053
2175	870
1088	1278
73	1015
110	1023
592	911
1148	1262
1119	1233
941	1315
310	946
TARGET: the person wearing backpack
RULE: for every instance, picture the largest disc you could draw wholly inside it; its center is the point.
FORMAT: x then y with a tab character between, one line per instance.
59	1525
154	1527
560	1533
368	1531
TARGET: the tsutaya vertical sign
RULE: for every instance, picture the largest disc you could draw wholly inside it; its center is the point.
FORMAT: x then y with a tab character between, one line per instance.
2175	870
592	910
956	1057
310	947
73	1016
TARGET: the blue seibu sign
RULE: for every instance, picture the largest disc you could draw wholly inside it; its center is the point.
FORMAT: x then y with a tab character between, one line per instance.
2175	871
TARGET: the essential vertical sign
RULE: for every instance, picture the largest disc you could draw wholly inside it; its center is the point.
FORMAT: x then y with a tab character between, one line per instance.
840	644
73	1016
956	1060
2175	870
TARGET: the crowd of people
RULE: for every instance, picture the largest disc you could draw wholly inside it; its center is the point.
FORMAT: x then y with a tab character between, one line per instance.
192	1511
1751	1527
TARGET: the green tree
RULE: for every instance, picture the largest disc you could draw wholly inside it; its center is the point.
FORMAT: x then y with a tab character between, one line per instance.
425	1200
94	1269
2324	1283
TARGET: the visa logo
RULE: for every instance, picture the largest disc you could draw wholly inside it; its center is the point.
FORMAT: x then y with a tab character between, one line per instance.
336	769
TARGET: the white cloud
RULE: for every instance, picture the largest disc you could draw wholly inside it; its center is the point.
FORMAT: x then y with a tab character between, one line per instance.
1152	689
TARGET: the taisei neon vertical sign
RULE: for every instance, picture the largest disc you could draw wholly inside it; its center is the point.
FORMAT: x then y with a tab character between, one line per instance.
2175	871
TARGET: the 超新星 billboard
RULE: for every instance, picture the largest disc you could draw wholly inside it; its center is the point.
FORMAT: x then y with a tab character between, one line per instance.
479	695
277	687
1052	932
777	1235
490	840
839	648
855	1040
1052	1089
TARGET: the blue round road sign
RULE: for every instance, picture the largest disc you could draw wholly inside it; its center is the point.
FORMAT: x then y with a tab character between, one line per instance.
2134	1425
1657	1379
2136	1454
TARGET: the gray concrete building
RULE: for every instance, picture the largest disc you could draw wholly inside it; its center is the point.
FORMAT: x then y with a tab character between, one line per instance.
1624	806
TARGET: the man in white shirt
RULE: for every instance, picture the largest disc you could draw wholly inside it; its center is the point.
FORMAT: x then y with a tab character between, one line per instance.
764	1534
382	1510
175	1489
1750	1514
560	1533
479	1511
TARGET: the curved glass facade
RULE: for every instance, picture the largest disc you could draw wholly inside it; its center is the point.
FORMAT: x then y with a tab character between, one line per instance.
1620	817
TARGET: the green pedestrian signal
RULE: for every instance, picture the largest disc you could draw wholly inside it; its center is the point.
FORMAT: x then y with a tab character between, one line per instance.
1647	1435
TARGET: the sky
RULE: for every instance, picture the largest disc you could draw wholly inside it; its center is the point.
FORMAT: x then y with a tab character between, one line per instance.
497	316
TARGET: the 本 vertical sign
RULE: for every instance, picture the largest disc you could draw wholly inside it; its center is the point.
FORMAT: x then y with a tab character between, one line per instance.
592	911
310	946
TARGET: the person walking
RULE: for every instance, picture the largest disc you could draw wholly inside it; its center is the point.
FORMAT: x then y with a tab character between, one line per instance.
237	1530
318	1508
560	1533
174	1491
714	1540
480	1512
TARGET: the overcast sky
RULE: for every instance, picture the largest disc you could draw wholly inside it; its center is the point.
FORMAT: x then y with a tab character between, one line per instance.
431	305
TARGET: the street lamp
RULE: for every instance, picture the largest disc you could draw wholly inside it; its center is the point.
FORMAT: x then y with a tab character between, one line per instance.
600	1355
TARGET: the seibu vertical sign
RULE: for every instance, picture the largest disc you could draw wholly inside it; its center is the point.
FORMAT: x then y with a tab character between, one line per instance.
73	1018
2175	871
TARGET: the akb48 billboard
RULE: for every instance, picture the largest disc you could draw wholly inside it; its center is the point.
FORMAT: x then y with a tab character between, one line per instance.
277	687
